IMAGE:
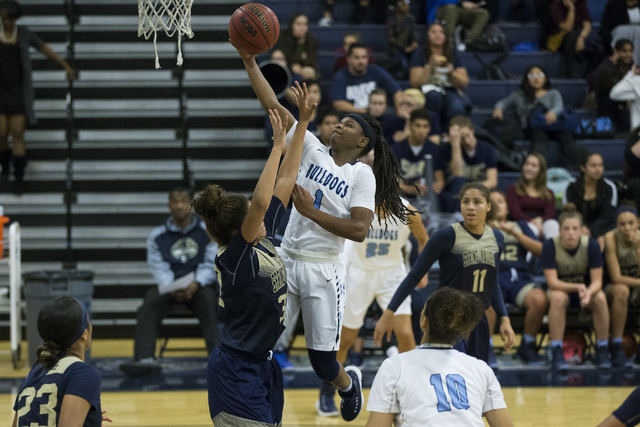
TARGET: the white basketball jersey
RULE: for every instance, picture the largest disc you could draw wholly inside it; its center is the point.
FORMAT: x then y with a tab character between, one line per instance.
435	387
383	246
335	190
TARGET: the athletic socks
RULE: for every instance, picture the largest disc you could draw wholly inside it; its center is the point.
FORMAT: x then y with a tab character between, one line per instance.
616	340
556	343
348	391
528	338
603	343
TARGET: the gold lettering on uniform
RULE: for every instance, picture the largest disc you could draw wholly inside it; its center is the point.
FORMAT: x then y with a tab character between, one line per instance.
278	279
477	256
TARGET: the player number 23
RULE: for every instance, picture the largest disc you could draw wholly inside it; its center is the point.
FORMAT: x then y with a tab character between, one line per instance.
478	280
47	407
457	390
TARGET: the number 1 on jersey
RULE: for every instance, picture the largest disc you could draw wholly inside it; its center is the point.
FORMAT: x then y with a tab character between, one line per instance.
318	201
478	280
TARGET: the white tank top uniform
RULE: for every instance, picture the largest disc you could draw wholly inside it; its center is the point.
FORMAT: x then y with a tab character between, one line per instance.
315	272
435	385
375	269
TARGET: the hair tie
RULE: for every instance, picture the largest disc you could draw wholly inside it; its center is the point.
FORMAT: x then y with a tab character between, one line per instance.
366	128
623	209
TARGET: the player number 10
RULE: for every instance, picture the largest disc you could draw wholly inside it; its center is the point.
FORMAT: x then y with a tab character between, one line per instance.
478	280
457	390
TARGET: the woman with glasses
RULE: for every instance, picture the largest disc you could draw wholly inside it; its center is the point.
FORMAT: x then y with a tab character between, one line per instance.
535	91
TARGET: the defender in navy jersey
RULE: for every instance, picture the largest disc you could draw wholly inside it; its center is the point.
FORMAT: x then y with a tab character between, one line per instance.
469	257
515	281
334	199
60	388
244	380
572	265
622	277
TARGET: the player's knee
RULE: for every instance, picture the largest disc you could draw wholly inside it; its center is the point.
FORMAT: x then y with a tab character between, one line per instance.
537	300
324	364
559	299
599	300
620	293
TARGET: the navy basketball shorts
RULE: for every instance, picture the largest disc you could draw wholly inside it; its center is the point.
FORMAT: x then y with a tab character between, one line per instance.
478	343
514	292
243	392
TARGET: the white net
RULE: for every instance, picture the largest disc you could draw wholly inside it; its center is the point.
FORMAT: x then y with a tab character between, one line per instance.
172	16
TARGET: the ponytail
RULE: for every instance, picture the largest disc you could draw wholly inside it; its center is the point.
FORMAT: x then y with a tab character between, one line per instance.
58	324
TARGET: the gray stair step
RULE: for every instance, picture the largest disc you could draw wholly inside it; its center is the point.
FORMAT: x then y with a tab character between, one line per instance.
85	237
122	273
86	203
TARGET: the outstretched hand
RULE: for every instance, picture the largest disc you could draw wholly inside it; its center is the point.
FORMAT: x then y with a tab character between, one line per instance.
243	54
301	95
303	201
383	327
279	129
105	418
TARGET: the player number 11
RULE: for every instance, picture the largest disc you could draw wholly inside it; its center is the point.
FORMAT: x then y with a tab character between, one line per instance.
478	280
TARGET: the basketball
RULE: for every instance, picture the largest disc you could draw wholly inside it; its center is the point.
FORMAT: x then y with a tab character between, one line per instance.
254	28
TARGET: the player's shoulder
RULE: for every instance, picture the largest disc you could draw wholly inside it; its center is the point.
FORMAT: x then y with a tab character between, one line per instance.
498	235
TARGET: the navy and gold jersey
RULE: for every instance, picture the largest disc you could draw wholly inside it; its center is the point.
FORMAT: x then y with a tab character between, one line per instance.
468	262
627	257
514	254
573	266
41	393
253	291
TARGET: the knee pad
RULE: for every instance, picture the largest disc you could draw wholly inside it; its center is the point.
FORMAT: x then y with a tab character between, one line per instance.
324	364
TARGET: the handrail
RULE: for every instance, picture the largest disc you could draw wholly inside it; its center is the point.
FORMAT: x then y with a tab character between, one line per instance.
15	292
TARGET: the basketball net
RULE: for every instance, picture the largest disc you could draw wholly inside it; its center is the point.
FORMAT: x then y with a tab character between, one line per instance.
169	15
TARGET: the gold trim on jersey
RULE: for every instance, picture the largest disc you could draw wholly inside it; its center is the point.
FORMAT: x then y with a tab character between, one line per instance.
572	269
63	364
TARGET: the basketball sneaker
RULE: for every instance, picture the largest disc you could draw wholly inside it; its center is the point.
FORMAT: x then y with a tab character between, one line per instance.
352	400
325	405
602	359
528	352
557	361
618	357
283	360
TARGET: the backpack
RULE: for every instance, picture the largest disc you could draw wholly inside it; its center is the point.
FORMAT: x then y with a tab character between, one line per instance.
595	127
558	179
493	70
492	39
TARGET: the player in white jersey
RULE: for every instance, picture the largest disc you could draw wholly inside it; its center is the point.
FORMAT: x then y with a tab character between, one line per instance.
375	269
436	384
334	199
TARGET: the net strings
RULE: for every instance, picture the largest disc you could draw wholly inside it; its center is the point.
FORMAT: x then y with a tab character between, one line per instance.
172	16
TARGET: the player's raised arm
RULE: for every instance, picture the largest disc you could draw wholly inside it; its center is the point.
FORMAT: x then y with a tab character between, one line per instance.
253	222
291	162
262	88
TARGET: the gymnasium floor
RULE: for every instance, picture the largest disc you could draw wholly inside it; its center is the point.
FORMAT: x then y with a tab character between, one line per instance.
179	398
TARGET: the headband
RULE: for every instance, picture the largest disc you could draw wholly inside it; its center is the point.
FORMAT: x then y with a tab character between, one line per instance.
366	128
623	209
84	323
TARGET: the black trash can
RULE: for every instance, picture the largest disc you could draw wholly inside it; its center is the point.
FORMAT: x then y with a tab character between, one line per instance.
43	286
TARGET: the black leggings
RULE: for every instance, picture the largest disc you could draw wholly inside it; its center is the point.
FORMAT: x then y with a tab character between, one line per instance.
539	139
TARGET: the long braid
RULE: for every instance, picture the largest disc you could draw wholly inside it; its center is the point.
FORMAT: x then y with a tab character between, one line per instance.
387	172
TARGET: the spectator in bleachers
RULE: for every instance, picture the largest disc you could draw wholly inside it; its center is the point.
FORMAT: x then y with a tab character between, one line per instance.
628	89
530	200
535	91
16	90
395	127
466	159
595	197
469	14
572	264
347	41
517	10
402	39
411	155
622	281
326	120
181	256
516	283
300	47
617	13
378	106
357	15
438	72
620	20
351	86
632	164
569	27
608	74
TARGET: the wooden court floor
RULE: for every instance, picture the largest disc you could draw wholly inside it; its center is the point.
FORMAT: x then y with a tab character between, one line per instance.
553	407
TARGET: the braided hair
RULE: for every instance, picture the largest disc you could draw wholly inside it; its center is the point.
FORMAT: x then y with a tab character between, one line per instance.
387	172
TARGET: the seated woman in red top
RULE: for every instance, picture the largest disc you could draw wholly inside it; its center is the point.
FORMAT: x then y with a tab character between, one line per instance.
530	200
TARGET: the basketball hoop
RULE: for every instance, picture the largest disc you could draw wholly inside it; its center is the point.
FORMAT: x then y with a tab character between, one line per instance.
169	15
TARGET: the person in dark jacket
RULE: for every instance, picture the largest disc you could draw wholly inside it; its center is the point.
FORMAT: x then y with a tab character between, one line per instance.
616	13
300	47
16	89
180	251
595	197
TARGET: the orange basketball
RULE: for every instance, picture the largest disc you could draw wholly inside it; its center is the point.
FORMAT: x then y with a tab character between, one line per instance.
254	28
